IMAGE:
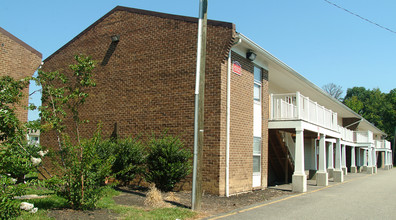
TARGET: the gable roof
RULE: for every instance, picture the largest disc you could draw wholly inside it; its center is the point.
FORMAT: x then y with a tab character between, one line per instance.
143	12
20	42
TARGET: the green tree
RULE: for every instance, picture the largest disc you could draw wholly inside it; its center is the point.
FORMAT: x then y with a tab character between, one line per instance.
377	107
83	170
17	157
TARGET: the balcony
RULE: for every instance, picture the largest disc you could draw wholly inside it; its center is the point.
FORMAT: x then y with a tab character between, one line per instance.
294	106
384	144
346	134
363	137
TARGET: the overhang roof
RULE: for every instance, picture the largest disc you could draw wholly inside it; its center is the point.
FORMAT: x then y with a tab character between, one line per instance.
289	81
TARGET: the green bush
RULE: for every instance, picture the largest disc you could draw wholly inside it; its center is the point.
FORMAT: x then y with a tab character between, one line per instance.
9	207
129	159
82	183
167	162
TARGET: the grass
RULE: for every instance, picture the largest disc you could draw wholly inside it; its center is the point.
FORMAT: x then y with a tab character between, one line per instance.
130	212
44	205
107	202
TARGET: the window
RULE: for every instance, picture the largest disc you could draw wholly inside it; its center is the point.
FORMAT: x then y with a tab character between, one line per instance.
256	154
257	84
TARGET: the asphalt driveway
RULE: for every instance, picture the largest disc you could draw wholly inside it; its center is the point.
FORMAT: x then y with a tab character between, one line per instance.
360	196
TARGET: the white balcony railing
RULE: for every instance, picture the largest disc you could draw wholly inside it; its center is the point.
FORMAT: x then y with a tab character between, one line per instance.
346	134
382	144
363	137
294	106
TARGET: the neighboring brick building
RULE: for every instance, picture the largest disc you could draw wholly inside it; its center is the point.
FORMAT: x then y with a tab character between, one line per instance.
18	60
146	80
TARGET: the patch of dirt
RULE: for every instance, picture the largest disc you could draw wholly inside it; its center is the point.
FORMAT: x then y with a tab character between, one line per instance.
211	205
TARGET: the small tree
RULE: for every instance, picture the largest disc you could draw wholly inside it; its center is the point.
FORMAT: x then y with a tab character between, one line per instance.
333	90
167	162
81	166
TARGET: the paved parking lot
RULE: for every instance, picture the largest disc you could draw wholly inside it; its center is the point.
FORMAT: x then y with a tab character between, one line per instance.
360	196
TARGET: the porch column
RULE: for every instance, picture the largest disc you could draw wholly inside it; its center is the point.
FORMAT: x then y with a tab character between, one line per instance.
330	159
374	152
386	157
353	162
364	159
337	174
369	161
359	160
299	179
322	178
343	154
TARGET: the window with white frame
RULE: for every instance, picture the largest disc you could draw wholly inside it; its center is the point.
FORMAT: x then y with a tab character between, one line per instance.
257	84
256	155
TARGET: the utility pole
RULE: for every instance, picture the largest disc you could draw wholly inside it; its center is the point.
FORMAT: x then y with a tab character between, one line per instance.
196	196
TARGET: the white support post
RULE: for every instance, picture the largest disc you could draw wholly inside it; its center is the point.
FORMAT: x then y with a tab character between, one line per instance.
307	109
374	160
359	160
272	106
370	161
365	160
299	179
353	160
322	178
317	113
337	174
330	159
298	104
386	167
343	154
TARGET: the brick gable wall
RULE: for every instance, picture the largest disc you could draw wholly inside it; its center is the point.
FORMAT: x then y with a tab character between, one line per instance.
18	60
146	81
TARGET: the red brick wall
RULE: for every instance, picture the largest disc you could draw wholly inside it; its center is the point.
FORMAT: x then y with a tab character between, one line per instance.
147	84
241	131
18	60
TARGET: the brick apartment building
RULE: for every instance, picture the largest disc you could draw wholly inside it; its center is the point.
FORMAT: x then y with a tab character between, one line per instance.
145	83
18	60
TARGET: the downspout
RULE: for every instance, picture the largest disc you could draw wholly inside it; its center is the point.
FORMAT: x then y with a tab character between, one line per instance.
227	177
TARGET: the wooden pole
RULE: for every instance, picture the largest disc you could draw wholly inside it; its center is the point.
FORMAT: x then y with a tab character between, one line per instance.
196	197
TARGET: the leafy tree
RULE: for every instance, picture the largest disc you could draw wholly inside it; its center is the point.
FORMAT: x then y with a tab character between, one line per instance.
82	168
377	107
333	90
17	157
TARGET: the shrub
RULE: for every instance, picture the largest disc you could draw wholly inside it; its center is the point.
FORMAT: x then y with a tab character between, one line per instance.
82	183
9	207
167	162
129	159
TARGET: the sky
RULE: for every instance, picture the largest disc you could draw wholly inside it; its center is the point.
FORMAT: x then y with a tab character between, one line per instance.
323	43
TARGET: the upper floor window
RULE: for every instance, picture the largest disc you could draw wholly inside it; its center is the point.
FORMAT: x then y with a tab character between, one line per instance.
257	83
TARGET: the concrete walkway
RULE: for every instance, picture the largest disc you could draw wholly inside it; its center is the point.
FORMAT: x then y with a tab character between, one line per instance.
360	196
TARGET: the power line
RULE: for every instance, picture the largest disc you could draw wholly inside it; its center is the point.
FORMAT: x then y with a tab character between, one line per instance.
365	19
